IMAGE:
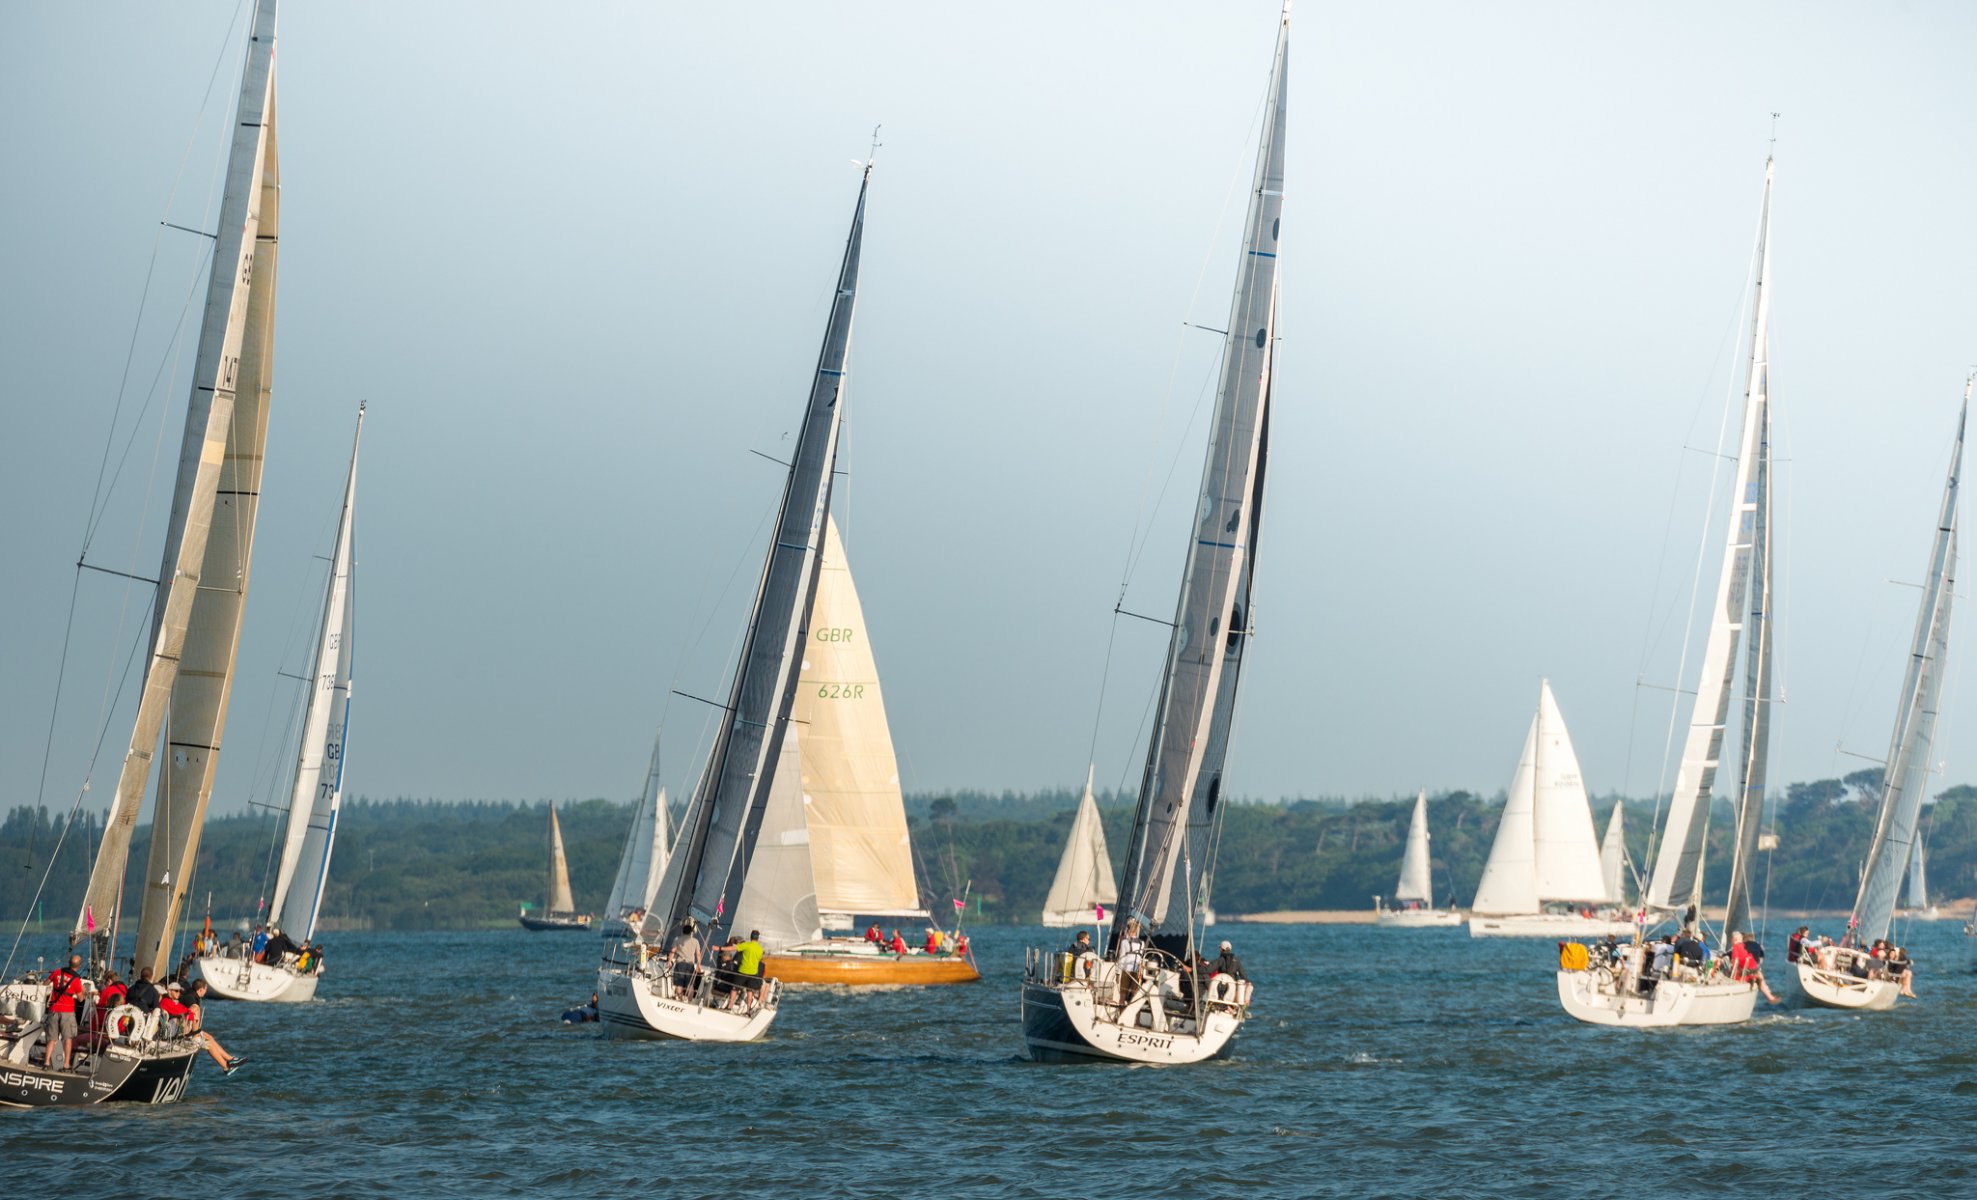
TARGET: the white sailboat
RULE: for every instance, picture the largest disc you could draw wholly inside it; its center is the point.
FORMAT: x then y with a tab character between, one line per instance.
1824	978
1414	896
559	910
1083	884
641	993
1542	878
1741	611
643	860
1148	1003
316	795
1919	908
196	615
834	845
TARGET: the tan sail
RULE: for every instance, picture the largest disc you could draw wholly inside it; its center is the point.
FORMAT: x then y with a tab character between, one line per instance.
209	540
560	899
860	851
1084	875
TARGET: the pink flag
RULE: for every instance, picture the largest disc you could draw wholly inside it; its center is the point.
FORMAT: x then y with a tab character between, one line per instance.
1101	914
720	906
960	906
88	919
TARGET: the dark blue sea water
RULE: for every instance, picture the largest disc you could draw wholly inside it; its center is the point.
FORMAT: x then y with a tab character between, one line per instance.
1377	1064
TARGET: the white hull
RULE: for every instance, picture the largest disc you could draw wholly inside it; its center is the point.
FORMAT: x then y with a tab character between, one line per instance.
1569	926
1081	1019
245	979
1837	989
1418	918
1593	997
629	1005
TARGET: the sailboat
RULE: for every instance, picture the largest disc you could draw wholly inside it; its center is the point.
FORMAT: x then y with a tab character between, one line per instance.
643	859
1824	978
1542	878
1083	885
317	792
1742	604
1414	895
834	844
639	991
559	911
196	615
1919	908
1154	1006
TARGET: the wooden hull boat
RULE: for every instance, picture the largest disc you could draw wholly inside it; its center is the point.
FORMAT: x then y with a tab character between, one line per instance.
859	964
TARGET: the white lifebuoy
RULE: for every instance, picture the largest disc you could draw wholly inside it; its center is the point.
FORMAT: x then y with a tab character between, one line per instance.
1087	963
1220	986
121	1013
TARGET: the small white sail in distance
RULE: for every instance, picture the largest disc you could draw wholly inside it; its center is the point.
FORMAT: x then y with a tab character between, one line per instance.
1415	881
1613	855
1084	877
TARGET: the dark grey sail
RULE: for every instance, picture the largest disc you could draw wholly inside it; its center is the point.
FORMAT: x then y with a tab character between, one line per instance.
717	836
1171	850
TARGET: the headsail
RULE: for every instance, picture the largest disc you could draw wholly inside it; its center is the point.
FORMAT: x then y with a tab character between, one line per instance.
1084	873
643	859
1565	852
1415	881
1677	877
710	860
1918	879
1906	780
317	794
209	539
1613	855
559	900
1167	860
1510	875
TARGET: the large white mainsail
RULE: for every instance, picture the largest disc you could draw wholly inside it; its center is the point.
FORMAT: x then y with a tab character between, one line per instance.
1742	597
1415	881
1906	780
188	675
317	793
1084	874
1169	855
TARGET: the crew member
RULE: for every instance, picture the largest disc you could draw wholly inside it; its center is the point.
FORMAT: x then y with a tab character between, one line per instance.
66	988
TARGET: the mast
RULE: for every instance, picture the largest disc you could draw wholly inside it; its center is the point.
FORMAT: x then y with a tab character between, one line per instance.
1906	779
209	538
1167	860
314	800
710	859
1677	876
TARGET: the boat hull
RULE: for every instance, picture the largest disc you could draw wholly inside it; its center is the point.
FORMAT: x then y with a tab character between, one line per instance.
1567	926
629	1005
555	924
854	966
1826	988
1592	997
161	1076
1420	918
1065	1023
245	979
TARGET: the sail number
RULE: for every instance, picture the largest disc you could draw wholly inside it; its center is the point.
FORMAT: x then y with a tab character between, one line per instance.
841	691
835	633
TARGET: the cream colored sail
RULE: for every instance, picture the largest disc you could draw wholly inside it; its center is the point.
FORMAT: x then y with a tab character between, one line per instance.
1084	875
860	852
560	899
209	538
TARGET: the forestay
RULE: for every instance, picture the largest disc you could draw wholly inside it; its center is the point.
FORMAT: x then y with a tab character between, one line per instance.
209	537
1167	860
317	794
1906	780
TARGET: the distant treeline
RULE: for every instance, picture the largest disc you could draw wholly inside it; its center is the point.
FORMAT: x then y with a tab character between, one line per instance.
412	864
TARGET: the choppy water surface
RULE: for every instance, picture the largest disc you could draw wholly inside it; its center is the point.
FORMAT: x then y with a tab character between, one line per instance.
1377	1063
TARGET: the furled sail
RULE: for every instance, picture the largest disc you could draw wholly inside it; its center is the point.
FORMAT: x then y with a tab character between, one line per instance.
1906	780
1167	859
1676	880
559	898
710	859
317	794
860	851
1613	855
1084	874
203	577
1415	881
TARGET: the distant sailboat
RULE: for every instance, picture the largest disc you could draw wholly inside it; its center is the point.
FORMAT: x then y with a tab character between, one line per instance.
559	912
1084	882
1742	610
1919	908
316	795
1414	896
1543	873
1823	978
195	629
1144	999
642	994
834	845
643	859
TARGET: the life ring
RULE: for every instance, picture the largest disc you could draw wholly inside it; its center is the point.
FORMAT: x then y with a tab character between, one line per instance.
121	1013
1221	987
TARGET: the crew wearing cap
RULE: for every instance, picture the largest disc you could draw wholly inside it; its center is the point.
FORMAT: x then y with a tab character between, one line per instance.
1227	963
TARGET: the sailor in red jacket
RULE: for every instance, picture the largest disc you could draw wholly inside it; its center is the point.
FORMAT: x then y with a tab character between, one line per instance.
66	989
